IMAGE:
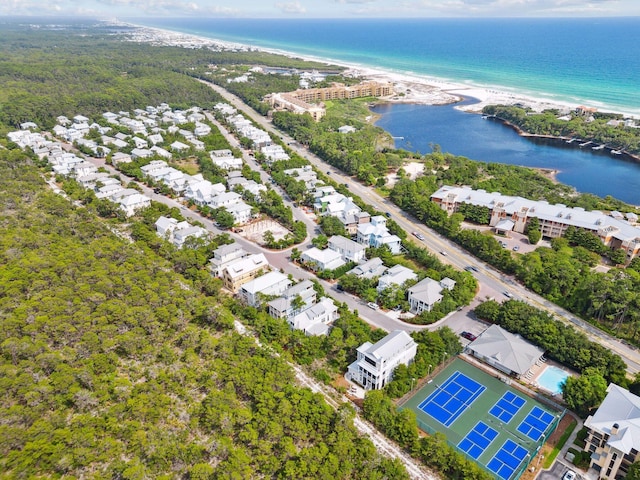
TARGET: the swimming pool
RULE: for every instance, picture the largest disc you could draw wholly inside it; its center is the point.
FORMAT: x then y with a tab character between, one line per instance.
551	379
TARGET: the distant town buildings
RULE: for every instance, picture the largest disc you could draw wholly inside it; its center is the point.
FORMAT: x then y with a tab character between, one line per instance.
339	91
288	101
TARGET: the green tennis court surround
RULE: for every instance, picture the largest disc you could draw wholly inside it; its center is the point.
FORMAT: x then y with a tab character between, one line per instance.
496	425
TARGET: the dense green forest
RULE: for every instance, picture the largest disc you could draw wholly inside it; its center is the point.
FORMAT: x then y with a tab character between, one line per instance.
113	365
87	69
330	355
365	153
118	359
578	126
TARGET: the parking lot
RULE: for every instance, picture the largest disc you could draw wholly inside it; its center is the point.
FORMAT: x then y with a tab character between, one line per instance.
517	242
556	472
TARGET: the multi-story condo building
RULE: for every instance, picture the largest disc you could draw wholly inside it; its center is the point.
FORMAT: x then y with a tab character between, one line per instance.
339	91
615	230
308	100
613	433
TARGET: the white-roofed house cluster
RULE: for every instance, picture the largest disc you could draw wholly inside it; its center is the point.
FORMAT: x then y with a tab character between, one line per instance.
254	281
67	164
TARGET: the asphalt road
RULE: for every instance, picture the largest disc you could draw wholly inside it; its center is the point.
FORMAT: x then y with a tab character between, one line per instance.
489	278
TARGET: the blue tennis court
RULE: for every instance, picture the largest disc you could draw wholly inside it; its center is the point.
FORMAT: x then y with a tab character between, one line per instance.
536	423
447	402
477	440
507	406
508	459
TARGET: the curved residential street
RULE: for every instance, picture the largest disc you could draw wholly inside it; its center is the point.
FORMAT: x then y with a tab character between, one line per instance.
492	282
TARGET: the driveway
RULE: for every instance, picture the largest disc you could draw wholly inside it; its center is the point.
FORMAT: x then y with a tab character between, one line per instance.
556	472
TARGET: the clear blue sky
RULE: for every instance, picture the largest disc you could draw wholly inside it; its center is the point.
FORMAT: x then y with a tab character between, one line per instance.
323	8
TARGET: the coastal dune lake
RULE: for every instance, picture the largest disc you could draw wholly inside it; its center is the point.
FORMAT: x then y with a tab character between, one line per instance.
471	136
590	61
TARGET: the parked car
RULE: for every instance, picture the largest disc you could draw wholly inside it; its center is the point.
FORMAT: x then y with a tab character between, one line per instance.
421	237
373	305
507	294
516	248
346	185
443	253
388	215
468	335
569	475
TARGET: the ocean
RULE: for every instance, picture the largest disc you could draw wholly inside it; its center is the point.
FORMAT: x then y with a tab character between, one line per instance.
591	61
595	62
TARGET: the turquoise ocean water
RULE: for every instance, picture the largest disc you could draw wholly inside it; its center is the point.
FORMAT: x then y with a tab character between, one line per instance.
582	61
593	61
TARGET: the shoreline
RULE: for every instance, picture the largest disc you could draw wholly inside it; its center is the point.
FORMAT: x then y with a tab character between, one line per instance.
549	173
623	156
408	88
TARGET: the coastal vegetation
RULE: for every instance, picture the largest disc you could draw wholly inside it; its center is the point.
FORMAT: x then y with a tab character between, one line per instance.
563	273
47	71
365	154
329	356
605	298
115	365
118	352
434	450
602	128
117	349
368	159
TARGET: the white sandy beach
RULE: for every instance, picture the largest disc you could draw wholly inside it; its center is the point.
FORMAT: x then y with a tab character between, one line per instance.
432	91
409	89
